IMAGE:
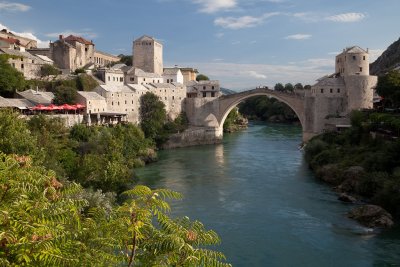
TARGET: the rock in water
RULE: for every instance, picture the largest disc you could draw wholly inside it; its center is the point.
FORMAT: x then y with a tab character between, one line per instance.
371	216
347	198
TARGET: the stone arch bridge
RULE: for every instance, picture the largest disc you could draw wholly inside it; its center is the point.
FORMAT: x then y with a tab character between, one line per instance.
211	114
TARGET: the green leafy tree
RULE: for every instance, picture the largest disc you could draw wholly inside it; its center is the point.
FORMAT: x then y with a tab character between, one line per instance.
47	70
307	87
16	138
11	80
298	86
153	115
48	223
202	77
125	59
79	70
279	87
389	87
85	82
65	95
289	87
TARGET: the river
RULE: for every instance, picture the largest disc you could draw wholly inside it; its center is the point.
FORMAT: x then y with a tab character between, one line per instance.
256	192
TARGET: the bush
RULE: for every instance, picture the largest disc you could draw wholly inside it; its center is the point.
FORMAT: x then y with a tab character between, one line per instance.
47	70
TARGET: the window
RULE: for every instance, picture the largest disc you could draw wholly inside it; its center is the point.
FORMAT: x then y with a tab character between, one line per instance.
118	103
167	80
112	103
132	102
173	97
22	66
212	94
109	78
113	79
144	79
204	94
363	57
204	88
172	80
165	98
322	91
331	90
125	102
212	87
121	79
132	79
360	69
354	57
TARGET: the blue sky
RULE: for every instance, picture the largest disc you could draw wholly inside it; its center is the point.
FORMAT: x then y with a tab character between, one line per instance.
242	43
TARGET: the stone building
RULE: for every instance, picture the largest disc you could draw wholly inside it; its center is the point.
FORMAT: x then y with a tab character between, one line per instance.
333	97
36	97
173	75
25	62
148	55
120	99
189	74
137	76
203	89
102	59
26	42
72	52
93	102
112	76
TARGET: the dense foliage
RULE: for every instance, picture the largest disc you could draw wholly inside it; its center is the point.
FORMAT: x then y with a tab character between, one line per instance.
154	121
11	80
389	88
269	109
47	70
202	77
371	143
234	121
48	219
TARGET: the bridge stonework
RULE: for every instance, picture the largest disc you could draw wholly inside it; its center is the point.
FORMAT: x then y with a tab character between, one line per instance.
212	112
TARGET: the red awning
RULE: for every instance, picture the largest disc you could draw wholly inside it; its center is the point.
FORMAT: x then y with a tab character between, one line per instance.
79	106
68	107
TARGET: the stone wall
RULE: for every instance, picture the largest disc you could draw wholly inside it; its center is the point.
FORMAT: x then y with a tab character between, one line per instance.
193	136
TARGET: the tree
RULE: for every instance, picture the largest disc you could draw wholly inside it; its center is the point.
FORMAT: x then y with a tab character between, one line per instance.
15	135
11	80
289	87
48	223
152	114
47	70
389	87
307	87
85	82
64	95
202	77
79	70
298	86
125	59
279	87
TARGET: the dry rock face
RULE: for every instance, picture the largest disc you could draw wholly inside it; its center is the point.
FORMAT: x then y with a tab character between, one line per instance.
371	216
388	60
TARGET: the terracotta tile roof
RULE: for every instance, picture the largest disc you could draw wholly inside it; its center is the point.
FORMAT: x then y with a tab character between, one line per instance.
10	40
73	38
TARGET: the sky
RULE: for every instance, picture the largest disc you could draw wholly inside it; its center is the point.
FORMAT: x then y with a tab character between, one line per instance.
241	43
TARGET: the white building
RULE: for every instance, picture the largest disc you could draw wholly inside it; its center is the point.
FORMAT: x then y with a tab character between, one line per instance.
173	75
202	89
138	76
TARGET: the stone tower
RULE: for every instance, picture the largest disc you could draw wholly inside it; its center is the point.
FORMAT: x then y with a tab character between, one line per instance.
353	65
147	55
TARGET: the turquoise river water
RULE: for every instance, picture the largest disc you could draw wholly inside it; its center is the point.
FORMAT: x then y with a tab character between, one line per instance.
256	191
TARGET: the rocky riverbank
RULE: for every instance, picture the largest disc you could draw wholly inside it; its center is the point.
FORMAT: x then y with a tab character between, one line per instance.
348	184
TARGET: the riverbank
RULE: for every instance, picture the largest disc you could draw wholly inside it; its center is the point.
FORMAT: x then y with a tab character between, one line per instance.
363	168
257	183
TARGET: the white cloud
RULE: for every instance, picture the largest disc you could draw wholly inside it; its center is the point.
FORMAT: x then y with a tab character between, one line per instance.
213	6
235	23
238	76
8	6
347	17
85	33
219	35
298	36
255	74
30	35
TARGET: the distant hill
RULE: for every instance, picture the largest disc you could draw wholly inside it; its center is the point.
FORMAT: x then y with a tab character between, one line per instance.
389	60
226	91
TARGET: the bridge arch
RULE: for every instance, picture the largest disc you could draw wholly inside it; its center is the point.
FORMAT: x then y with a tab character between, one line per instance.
228	102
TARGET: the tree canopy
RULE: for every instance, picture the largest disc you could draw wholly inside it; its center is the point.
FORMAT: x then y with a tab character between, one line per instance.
389	87
11	80
202	77
153	115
